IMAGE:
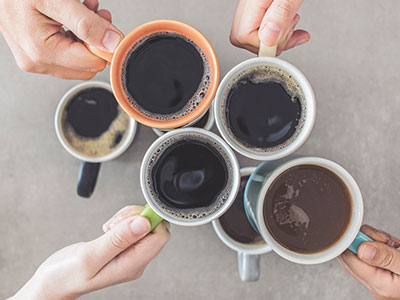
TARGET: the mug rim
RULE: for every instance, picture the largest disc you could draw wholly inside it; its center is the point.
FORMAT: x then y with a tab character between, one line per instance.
58	125
159	26
235	175
209	124
347	237
310	109
252	249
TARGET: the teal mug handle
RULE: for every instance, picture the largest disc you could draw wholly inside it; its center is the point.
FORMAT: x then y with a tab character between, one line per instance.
360	238
153	218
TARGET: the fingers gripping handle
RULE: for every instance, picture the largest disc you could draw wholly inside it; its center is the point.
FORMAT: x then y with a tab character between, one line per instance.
149	213
107	56
360	238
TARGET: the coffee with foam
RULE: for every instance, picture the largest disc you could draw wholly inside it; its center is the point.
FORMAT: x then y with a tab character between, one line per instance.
93	124
189	176
165	76
264	108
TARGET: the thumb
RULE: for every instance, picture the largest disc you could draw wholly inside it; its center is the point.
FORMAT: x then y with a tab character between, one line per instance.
120	237
83	22
380	255
277	20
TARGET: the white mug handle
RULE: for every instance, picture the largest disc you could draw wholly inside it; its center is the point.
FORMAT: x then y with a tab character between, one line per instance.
267	51
249	266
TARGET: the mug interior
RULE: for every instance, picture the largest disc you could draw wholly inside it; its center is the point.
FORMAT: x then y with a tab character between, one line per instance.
255	248
61	137
309	100
201	220
348	236
138	34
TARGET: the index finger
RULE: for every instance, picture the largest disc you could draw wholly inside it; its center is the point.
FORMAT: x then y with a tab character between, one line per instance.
73	55
248	19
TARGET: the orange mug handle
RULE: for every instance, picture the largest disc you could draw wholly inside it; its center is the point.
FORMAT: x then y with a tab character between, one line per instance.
107	56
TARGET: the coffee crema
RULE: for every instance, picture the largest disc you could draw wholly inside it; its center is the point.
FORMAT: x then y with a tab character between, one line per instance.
189	176
165	76
307	209
93	124
264	108
235	223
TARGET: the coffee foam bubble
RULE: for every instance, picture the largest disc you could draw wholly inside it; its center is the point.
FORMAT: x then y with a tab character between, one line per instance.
193	103
100	146
262	74
188	213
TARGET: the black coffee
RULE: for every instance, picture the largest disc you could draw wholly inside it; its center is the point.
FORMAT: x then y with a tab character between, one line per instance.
189	174
264	108
307	209
93	123
166	76
235	222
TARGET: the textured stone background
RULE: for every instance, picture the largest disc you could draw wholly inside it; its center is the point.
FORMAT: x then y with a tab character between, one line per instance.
353	64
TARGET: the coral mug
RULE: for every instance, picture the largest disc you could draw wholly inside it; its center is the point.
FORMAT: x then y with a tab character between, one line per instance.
117	59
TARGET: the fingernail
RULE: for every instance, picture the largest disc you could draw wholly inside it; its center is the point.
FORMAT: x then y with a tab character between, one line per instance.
140	226
367	252
302	41
111	40
270	34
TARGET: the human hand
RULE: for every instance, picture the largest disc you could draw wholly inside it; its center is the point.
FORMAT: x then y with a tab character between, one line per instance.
271	21
33	29
377	266
120	255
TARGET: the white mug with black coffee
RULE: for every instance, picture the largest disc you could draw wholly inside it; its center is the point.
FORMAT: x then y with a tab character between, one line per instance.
189	177
265	108
236	232
92	127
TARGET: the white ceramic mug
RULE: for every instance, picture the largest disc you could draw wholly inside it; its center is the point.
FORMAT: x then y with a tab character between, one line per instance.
90	166
266	58
207	126
258	185
248	255
154	208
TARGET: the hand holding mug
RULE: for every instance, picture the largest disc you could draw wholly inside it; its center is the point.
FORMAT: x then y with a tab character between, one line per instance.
119	255
272	22
34	31
377	265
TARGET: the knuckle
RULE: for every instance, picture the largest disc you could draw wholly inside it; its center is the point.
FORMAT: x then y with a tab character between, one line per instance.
84	28
238	39
138	273
37	56
26	65
233	40
119	241
387	260
283	8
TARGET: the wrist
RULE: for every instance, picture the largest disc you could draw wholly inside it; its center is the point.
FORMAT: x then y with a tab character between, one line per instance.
31	291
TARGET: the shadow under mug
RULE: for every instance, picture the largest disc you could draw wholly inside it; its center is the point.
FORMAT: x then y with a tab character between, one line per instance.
248	255
209	123
90	166
266	58
154	212
117	59
258	185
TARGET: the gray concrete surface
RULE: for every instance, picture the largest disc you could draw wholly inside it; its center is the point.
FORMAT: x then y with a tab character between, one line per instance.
353	63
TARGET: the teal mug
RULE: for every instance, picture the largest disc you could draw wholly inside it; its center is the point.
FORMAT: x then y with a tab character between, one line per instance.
257	188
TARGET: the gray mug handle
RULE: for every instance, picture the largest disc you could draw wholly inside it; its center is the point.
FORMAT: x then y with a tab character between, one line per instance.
249	266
